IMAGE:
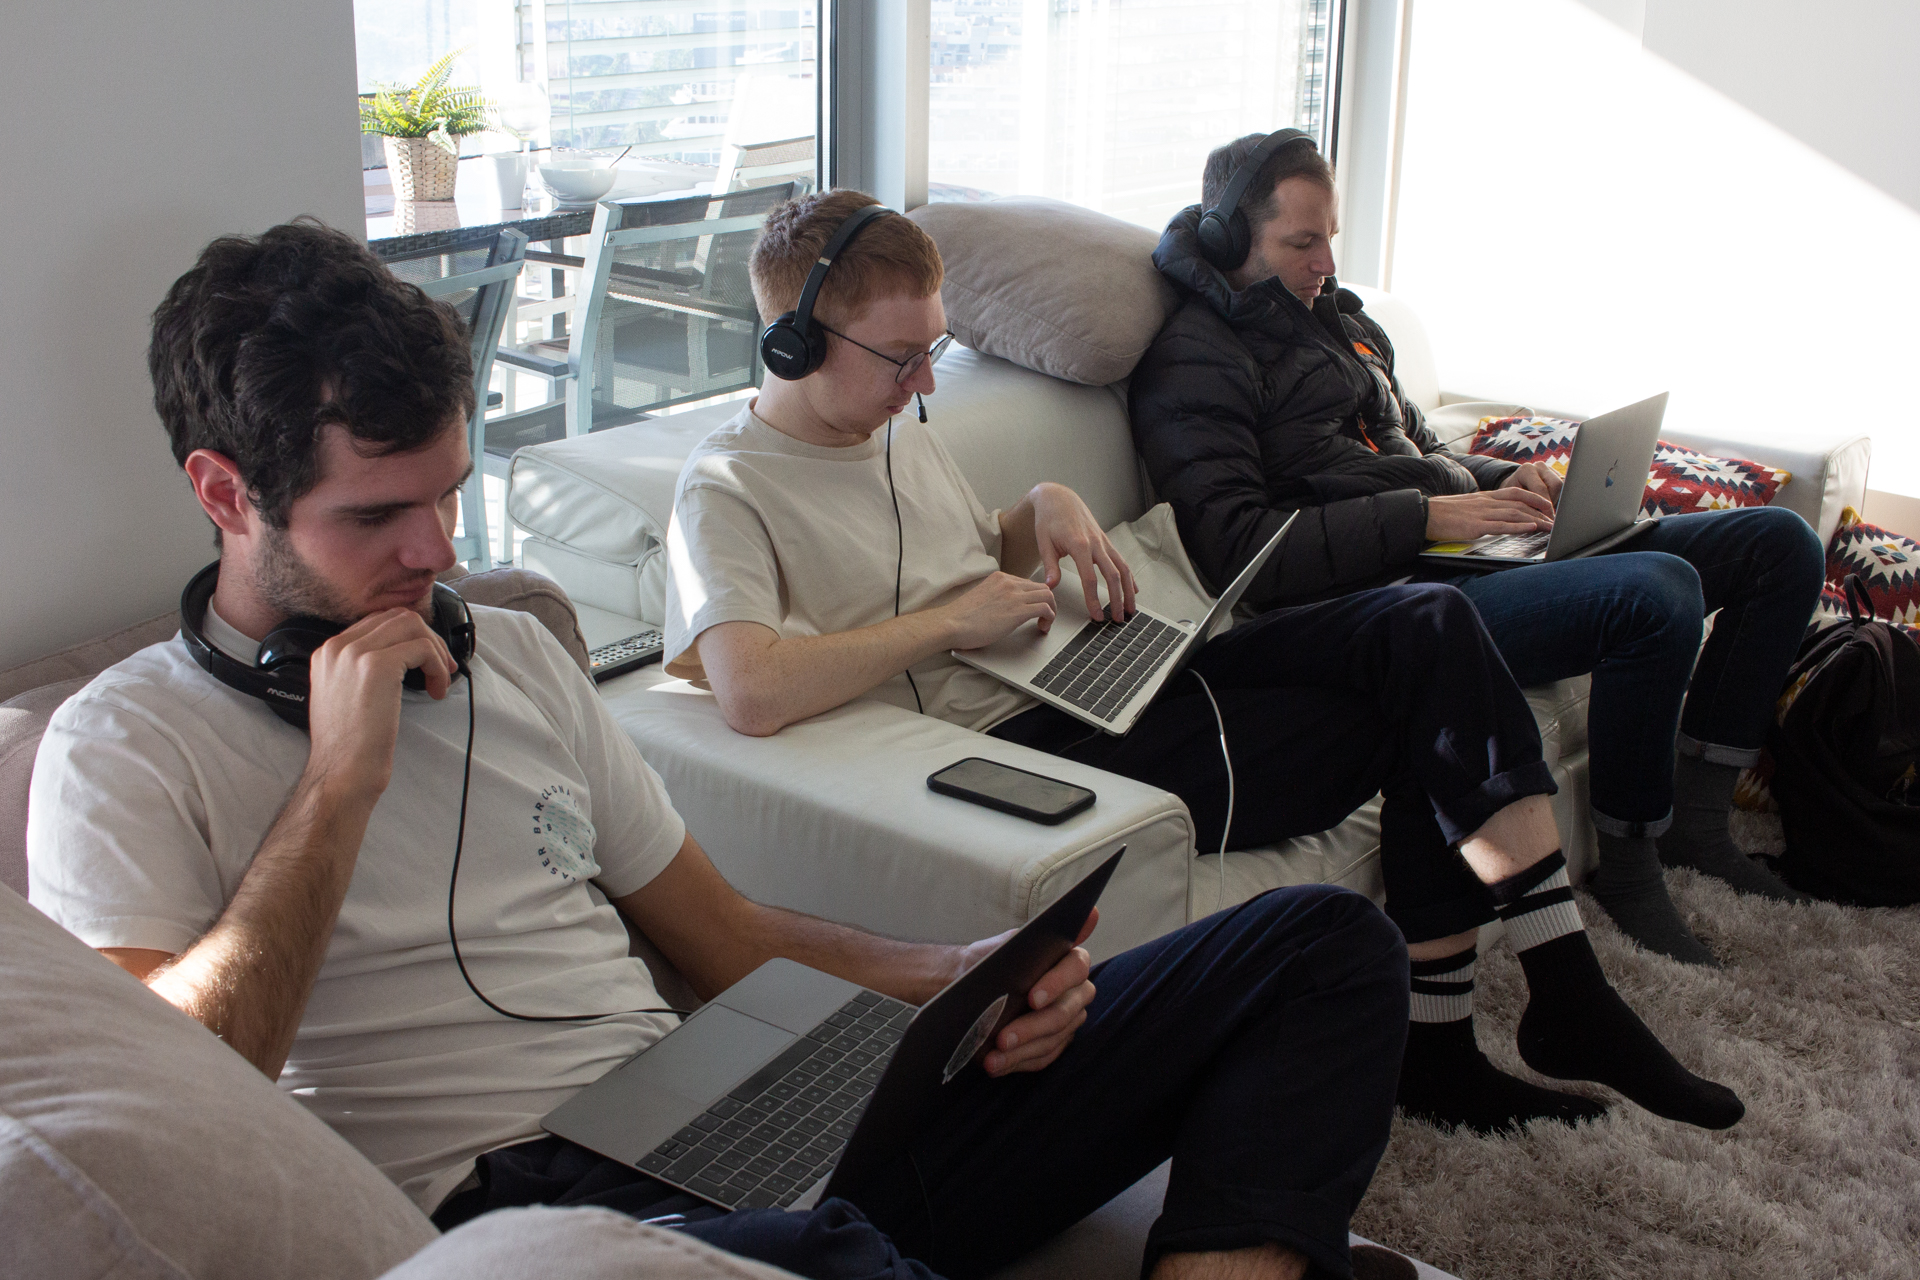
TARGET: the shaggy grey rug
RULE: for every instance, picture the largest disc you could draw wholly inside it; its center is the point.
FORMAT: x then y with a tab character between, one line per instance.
1815	1022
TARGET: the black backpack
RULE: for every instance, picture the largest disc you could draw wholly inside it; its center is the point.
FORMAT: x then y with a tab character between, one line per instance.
1845	753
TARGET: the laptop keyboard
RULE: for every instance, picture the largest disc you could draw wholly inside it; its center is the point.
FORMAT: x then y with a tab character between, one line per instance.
1517	545
784	1127
1101	669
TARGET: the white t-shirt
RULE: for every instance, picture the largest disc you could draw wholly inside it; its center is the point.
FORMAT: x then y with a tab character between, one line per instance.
801	538
155	785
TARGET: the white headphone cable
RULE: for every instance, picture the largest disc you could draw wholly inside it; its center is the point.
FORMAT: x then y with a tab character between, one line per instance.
1220	895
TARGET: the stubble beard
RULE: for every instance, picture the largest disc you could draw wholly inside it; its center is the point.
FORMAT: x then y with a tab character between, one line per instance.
294	588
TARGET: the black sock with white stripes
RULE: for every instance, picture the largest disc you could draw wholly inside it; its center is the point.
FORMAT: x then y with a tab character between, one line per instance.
1446	1080
1576	1026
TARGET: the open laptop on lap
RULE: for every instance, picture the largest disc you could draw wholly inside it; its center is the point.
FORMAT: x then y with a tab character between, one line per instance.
1108	673
1599	505
792	1084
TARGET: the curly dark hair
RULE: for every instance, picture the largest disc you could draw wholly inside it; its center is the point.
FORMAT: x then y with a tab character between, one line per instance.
269	339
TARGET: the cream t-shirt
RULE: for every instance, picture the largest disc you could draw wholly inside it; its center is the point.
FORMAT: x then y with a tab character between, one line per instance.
801	538
155	784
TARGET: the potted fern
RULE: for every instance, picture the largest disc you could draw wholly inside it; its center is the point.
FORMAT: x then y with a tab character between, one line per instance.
421	128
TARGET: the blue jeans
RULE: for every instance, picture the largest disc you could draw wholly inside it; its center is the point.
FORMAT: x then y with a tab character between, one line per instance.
1257	1048
1633	619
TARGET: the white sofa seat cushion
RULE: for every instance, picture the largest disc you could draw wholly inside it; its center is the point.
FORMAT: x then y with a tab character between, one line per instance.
134	1143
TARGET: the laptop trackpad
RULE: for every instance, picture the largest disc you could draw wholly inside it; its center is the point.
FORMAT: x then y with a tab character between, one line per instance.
717	1049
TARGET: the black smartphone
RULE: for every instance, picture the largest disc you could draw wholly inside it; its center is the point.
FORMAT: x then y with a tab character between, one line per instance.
1033	796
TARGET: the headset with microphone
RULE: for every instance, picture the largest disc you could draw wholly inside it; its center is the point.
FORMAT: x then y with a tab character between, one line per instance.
1225	235
794	345
282	680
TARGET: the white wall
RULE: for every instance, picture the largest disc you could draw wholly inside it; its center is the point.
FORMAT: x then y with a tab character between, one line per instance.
1601	200
138	132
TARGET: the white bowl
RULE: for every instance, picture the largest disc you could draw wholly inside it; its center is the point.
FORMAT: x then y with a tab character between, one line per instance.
577	181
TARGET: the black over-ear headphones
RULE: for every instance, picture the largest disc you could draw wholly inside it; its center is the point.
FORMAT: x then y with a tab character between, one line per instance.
1225	237
280	679
794	346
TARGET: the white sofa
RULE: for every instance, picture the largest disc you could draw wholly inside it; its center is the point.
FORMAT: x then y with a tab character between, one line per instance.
832	815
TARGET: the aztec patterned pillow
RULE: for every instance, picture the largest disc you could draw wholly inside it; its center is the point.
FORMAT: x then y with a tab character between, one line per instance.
1682	480
1888	563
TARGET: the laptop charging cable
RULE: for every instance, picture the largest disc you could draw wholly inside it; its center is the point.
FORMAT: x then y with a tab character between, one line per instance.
1220	894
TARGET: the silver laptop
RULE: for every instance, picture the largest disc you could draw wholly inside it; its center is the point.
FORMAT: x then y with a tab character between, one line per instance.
1107	673
792	1084
1599	504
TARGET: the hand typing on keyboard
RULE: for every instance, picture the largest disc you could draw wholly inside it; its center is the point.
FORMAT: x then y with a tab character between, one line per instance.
1463	517
1052	522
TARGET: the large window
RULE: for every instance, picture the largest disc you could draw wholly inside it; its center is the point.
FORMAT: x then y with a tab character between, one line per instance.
677	80
1114	104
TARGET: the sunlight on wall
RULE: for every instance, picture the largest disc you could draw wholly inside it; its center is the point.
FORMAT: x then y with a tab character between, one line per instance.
1582	224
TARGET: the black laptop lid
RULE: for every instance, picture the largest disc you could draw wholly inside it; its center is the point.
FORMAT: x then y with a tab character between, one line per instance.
936	1053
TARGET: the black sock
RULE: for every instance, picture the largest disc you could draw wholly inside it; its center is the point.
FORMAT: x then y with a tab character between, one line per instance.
1698	838
1446	1080
1576	1026
1631	887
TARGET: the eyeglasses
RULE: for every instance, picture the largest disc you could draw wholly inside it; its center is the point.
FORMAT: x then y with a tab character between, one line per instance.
911	365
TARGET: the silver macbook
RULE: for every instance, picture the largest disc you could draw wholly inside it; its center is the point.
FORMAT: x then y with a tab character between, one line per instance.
1599	505
793	1084
1107	673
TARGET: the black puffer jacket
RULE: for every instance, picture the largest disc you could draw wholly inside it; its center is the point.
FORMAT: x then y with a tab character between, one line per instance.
1249	405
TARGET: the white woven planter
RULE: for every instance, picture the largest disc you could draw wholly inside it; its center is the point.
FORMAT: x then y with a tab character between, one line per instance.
420	170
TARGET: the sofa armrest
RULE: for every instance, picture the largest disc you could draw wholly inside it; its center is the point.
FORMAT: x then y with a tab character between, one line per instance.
1829	470
832	816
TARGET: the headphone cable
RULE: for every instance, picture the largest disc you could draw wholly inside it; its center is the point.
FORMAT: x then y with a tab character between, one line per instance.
900	561
453	884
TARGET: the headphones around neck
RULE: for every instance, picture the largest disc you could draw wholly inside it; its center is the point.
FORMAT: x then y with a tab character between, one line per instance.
1225	236
793	346
280	678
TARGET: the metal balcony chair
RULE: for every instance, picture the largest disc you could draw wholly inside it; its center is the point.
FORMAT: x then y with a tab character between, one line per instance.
665	316
476	273
760	164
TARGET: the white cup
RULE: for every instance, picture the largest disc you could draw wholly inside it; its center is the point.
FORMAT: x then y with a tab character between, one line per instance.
510	178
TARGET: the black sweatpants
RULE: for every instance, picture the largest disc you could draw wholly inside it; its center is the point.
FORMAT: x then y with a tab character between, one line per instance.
1397	690
1258	1049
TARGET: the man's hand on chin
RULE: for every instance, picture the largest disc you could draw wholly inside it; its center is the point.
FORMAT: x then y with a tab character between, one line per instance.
1056	1006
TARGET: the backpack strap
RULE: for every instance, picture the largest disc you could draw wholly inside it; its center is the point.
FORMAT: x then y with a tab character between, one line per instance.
1859	604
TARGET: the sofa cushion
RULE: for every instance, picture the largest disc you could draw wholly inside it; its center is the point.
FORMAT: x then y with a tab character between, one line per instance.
572	1244
1680	481
1889	567
1050	286
134	1143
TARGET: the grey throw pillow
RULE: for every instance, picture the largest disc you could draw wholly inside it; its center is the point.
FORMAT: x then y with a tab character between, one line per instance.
135	1144
1049	285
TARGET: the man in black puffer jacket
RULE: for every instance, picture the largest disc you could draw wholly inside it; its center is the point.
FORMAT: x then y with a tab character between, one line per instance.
1270	391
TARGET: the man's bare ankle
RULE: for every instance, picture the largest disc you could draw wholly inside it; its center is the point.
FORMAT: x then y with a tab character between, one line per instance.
1260	1262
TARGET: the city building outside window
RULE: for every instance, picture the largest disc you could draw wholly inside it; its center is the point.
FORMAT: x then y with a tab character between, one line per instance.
1114	104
